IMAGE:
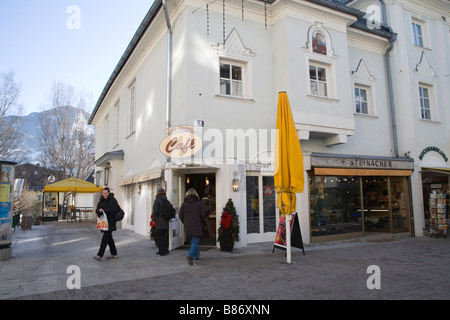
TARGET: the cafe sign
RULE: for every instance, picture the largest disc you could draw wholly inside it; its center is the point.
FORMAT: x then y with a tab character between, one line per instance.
180	142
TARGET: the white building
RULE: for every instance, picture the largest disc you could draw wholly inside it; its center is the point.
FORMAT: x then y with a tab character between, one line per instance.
212	71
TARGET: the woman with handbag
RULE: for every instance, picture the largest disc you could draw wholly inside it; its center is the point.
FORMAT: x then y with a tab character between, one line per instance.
108	205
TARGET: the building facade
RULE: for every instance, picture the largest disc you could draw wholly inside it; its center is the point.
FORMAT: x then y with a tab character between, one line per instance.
192	103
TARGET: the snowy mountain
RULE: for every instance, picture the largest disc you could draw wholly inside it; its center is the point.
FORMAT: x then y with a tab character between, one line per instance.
30	131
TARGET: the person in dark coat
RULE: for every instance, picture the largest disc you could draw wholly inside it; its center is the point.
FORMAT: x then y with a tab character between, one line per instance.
109	205
162	224
192	213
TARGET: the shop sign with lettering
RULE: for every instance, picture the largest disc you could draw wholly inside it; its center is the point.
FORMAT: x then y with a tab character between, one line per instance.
180	142
435	149
361	163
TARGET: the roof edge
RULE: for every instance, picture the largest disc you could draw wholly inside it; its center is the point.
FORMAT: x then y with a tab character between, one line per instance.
339	7
126	55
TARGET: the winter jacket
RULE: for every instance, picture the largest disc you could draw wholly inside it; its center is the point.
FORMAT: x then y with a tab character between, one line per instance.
161	222
192	213
111	207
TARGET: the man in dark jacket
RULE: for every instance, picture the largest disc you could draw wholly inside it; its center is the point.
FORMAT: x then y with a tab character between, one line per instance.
162	224
108	205
192	213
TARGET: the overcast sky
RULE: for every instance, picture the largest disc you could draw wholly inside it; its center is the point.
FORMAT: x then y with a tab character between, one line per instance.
78	42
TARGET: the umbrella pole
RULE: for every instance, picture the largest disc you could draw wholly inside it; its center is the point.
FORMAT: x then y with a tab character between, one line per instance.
288	237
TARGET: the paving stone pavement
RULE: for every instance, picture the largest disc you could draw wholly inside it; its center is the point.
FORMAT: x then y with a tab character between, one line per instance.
410	268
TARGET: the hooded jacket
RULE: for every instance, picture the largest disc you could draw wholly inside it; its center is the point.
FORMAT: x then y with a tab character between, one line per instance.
111	207
192	213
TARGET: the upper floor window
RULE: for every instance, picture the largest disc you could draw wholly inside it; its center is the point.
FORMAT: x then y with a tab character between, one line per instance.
231	79
361	101
417	33
132	109
364	90
318	80
425	106
116	119
234	68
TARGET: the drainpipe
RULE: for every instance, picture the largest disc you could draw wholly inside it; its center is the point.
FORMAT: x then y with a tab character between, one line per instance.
389	78
169	69
169	65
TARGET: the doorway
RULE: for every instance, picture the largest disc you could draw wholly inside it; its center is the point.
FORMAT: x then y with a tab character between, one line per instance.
205	185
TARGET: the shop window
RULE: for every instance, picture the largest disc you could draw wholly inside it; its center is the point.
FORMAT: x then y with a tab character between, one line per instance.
345	206
376	205
335	205
399	204
261	205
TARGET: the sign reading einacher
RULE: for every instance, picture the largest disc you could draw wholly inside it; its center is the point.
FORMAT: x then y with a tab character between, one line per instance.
362	163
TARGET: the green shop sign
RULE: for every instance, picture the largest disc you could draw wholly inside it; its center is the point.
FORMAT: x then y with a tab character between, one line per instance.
435	149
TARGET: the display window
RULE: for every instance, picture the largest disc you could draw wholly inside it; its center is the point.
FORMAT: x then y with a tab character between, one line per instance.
351	206
335	205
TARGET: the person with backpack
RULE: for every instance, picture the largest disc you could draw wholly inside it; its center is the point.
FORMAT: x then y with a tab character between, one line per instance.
163	211
192	213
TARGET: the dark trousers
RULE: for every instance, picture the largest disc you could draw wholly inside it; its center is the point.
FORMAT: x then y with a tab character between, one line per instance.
163	241
107	239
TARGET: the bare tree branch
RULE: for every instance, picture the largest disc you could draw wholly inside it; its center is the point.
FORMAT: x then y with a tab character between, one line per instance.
10	120
67	142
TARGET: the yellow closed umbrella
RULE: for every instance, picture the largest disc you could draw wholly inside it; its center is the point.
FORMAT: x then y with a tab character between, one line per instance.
288	172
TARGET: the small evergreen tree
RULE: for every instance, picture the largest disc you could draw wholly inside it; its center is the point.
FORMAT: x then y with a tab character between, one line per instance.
229	224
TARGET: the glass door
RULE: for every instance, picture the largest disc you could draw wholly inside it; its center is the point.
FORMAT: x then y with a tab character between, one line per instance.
176	191
399	204
262	211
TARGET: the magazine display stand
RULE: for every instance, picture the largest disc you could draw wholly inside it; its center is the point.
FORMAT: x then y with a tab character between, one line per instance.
438	215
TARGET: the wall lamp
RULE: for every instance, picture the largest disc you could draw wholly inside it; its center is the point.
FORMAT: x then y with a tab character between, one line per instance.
235	184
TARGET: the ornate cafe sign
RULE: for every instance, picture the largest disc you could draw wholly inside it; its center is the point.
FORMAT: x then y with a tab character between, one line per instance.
180	142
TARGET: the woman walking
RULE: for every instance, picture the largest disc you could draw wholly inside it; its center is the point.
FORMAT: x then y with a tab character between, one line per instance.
192	213
108	205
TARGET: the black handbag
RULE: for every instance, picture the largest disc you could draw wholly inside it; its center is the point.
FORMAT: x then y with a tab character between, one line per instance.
119	215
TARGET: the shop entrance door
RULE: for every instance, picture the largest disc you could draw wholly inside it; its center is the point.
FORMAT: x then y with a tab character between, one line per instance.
177	191
205	185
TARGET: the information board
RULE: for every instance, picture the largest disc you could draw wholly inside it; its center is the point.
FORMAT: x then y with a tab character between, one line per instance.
7	174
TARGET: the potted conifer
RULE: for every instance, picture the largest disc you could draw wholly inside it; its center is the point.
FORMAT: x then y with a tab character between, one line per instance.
229	227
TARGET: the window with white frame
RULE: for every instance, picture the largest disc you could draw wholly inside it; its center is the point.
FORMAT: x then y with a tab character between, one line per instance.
232	79
417	33
132	109
318	80
361	100
106	132
116	118
425	103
